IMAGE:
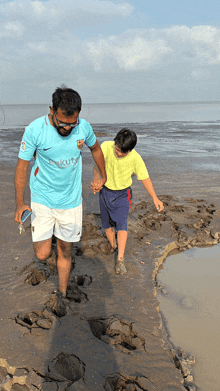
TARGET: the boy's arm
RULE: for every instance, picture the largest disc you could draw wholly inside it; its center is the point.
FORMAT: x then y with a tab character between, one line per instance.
149	187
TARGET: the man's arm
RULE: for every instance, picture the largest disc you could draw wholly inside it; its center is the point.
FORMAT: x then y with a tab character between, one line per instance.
96	178
98	157
20	182
149	187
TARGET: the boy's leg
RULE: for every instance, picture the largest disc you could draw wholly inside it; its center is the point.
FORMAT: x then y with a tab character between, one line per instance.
109	230
120	218
64	263
122	239
110	233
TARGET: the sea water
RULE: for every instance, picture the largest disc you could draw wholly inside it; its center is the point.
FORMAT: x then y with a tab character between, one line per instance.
191	307
111	113
176	130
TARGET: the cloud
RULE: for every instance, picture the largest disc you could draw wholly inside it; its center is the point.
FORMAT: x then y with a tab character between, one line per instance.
73	13
143	48
196	34
38	7
129	53
199	42
200	74
12	30
50	28
41	47
46	43
54	53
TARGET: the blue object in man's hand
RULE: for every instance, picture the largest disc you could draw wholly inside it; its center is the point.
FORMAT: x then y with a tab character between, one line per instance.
25	215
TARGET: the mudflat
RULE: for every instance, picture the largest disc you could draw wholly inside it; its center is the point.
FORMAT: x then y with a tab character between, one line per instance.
112	336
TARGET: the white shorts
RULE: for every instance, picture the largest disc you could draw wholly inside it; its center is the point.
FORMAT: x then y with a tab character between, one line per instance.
65	224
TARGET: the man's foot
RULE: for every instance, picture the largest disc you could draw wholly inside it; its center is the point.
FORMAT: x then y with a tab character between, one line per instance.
120	266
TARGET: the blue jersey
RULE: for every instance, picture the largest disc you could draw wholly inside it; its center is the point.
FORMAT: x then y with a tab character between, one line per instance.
56	176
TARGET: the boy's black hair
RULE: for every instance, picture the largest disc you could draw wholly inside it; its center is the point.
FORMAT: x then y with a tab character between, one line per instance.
67	100
126	140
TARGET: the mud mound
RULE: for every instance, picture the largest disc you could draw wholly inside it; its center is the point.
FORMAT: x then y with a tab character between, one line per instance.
189	220
36	277
119	382
74	293
117	332
42	319
66	367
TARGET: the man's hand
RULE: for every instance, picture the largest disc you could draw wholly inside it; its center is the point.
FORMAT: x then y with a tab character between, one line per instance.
99	174
19	210
97	185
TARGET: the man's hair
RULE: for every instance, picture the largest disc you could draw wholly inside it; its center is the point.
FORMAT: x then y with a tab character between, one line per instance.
126	140
67	100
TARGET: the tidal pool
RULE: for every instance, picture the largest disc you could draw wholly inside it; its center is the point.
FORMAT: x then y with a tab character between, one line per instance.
190	305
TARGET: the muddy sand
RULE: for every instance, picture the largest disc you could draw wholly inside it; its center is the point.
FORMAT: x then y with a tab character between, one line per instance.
112	336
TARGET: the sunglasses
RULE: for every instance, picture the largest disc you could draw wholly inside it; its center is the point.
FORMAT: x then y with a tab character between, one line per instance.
63	124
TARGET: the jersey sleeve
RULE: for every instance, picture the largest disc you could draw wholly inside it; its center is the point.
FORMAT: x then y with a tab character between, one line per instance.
28	144
90	136
140	168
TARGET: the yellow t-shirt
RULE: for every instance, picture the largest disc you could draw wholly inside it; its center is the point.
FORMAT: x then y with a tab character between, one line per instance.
119	170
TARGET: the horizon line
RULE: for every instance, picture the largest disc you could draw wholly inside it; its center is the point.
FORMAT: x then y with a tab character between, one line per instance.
123	103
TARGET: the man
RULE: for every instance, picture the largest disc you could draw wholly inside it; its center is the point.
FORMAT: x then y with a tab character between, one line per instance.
55	141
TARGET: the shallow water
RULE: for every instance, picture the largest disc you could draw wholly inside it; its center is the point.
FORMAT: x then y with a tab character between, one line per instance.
191	308
170	140
111	113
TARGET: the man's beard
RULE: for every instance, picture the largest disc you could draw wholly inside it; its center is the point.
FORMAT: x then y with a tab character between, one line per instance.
62	132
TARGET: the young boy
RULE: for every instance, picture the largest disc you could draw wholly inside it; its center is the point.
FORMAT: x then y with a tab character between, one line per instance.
115	197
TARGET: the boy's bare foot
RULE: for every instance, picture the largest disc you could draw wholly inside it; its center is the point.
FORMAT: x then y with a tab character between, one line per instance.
113	250
120	266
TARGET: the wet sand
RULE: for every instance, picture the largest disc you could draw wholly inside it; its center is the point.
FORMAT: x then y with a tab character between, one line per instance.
112	336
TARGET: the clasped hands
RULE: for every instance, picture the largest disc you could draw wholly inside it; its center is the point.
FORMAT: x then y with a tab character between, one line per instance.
97	185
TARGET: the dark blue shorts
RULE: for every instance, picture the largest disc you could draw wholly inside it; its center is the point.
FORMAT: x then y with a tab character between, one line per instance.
114	207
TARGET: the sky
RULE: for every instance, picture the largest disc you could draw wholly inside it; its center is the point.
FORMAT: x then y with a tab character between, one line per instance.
110	51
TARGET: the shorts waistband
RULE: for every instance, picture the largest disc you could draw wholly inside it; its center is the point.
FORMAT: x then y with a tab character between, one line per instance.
116	191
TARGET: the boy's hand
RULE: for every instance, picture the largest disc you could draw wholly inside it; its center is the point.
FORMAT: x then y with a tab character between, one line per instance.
159	205
97	185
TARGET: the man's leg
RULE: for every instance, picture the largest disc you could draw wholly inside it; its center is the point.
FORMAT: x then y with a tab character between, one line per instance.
64	263
45	253
42	222
43	249
110	233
